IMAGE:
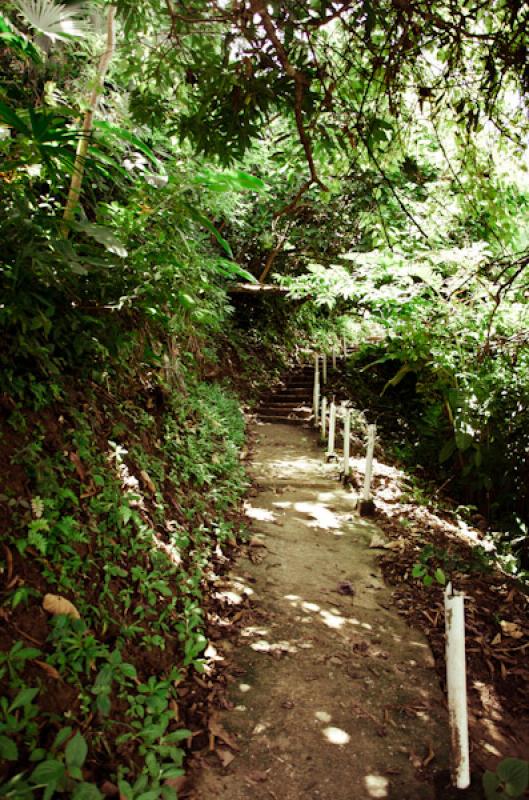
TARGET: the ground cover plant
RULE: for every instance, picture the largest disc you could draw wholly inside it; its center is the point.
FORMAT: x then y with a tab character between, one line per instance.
368	159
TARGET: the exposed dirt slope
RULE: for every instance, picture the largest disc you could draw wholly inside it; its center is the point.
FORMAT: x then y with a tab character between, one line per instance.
337	697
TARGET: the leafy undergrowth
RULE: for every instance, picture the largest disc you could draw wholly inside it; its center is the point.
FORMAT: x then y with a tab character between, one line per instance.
122	499
432	540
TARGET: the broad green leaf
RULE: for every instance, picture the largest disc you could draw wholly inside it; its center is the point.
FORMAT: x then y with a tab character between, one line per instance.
86	791
76	751
127	136
47	773
8	749
491	784
515	774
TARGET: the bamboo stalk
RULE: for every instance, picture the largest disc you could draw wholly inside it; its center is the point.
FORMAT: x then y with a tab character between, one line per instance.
82	146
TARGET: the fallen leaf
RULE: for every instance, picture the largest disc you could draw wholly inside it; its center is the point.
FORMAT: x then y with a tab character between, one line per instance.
76	461
345	587
55	604
225	756
147	481
497	639
255	542
377	541
217	731
51	671
9	562
511	629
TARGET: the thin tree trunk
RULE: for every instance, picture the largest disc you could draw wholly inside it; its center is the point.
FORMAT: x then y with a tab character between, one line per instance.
82	147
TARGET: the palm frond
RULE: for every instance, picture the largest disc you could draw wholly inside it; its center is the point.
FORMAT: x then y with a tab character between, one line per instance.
54	20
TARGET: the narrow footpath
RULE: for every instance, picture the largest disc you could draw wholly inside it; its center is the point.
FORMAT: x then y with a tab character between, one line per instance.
336	698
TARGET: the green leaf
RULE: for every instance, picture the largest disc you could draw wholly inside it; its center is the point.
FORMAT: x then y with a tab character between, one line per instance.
127	136
439	576
76	751
427	580
87	791
103	235
47	773
199	217
8	749
61	737
515	774
128	670
23	698
491	784
418	571
447	450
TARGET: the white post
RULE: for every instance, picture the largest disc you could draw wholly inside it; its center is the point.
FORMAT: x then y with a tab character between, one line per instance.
334	358
323	417
457	686
316	392
371	435
324	367
346	443
344	346
332	428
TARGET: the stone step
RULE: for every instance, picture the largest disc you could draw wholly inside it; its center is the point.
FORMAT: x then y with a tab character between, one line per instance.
283	411
282	420
289	393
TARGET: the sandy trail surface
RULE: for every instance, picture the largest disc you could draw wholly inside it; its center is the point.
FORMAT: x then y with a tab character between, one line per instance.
336	698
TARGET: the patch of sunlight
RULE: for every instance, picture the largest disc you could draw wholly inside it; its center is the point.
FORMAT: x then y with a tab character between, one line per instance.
260	728
254	630
306	645
376	785
232	598
304	619
309	606
264	646
336	735
491	749
292	597
260	514
366	626
323	517
212	654
240	708
353	621
422	645
282	503
323	716
326	497
335	621
239	586
244	687
296	464
171	551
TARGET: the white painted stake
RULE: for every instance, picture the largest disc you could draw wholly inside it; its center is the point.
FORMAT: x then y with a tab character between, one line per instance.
346	443
324	367
332	428
316	392
344	346
323	417
334	358
371	436
456	681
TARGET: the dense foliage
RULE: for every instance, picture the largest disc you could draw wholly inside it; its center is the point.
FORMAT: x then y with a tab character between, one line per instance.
371	157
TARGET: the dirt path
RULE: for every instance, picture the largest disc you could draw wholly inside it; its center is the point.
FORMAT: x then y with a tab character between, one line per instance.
337	698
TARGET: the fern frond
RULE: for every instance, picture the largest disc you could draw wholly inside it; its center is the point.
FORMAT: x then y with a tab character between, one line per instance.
54	20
